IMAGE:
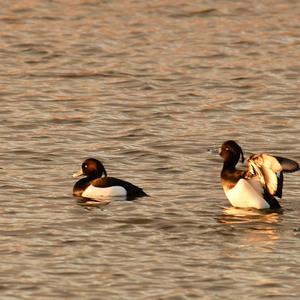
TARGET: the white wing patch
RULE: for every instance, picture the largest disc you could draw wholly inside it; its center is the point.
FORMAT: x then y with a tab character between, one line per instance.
98	192
265	167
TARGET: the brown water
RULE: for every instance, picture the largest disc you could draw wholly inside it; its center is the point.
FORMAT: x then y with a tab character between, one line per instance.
146	87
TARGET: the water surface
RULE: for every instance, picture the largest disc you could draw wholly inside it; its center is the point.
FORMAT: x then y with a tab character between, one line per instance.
146	88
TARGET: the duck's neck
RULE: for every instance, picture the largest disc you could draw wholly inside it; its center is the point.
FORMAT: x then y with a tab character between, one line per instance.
94	176
228	166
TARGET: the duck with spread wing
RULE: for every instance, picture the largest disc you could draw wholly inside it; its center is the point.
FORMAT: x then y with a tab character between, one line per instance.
259	185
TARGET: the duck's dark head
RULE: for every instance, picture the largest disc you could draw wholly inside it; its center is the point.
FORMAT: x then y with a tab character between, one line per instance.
231	152
91	168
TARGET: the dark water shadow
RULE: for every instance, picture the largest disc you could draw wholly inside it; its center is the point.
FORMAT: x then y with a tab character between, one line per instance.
89	203
102	202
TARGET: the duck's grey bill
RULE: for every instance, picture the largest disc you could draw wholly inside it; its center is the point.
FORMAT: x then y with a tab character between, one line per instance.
77	174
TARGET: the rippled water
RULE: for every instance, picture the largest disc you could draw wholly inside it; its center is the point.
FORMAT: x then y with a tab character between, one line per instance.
146	87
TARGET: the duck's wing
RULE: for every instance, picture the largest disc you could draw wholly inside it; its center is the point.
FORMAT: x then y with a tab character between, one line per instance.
279	184
111	181
269	169
287	164
269	172
132	190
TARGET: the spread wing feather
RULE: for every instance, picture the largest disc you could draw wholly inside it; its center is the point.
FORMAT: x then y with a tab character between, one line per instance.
269	170
266	168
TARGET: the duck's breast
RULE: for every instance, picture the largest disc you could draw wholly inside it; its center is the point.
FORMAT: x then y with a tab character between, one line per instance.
112	191
247	193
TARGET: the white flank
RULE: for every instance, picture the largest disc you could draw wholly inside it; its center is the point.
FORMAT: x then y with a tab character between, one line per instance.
247	193
98	192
